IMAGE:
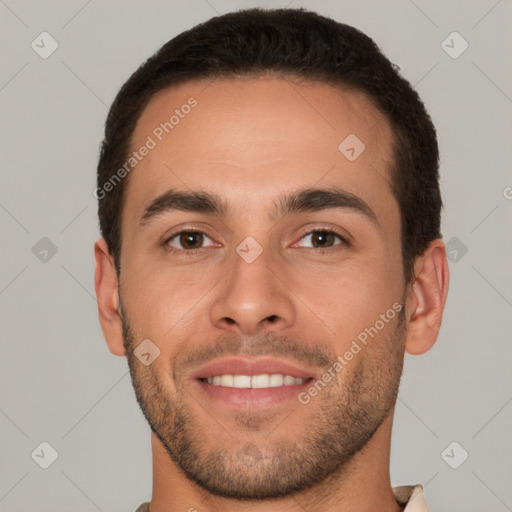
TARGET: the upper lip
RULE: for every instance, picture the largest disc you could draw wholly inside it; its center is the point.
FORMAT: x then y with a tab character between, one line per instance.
250	366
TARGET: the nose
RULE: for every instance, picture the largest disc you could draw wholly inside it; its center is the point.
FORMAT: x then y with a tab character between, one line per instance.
253	297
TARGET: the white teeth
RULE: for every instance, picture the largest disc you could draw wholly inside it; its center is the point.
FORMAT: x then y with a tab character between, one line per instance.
241	381
289	380
264	380
226	380
276	380
260	381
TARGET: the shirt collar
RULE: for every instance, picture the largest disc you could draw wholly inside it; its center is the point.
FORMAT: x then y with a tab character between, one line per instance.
412	497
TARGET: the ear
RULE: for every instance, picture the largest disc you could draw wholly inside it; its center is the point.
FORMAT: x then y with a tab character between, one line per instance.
107	294
427	297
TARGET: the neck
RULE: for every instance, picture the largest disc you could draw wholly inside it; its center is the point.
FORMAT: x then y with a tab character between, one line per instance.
362	485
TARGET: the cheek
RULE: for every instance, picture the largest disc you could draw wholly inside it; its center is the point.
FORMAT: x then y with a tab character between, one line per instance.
350	298
164	303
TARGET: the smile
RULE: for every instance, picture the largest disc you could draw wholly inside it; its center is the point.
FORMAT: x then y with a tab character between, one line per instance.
262	381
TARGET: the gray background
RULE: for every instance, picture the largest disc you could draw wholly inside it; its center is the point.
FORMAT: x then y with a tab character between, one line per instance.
58	381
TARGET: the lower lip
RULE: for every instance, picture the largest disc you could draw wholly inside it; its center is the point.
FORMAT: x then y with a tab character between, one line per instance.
244	398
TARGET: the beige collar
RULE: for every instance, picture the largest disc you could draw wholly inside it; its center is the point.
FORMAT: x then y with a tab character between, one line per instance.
412	497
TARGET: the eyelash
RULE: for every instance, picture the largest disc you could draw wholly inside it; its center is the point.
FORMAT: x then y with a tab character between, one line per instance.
192	252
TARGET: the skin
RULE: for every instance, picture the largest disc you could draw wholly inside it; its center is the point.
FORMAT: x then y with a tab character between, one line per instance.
250	141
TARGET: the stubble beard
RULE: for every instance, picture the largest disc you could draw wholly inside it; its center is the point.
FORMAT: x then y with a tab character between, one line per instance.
344	417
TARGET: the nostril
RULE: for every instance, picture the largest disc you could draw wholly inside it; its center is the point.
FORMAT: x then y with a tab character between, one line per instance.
272	318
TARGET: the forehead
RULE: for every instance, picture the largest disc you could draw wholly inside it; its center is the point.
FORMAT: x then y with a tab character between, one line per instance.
252	138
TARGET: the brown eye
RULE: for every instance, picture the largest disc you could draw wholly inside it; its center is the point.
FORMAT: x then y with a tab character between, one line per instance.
321	239
191	240
188	240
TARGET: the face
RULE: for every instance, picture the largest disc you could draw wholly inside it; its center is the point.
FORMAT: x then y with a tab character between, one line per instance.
261	258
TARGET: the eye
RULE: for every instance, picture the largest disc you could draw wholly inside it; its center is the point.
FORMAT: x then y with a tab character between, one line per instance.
187	240
322	239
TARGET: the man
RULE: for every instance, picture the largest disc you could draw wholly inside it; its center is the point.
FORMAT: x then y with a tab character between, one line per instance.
270	211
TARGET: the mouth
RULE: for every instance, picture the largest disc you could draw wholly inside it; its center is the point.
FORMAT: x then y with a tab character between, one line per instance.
261	381
254	383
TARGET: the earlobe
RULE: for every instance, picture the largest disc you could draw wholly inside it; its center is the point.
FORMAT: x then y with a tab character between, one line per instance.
107	295
427	298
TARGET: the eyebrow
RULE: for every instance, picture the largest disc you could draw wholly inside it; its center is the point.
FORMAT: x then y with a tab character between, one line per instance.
305	200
